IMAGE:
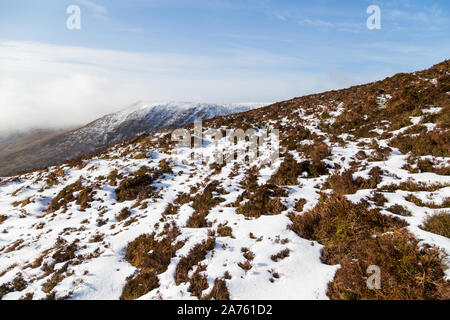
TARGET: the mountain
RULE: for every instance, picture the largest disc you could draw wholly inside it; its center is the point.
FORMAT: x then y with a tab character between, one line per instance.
356	206
43	148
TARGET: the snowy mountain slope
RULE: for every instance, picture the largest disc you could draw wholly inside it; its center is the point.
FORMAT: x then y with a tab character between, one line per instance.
116	127
358	183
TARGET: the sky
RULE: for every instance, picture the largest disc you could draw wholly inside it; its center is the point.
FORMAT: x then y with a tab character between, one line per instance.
217	51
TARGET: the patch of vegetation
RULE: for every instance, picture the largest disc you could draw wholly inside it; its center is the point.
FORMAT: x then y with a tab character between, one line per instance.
280	255
194	257
64	197
290	169
343	183
224	231
435	143
219	292
413	186
356	237
203	203
140	184
18	284
152	257
299	205
438	224
399	210
412	198
3	218
125	213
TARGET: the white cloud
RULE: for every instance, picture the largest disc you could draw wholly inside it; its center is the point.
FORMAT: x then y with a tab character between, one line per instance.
44	85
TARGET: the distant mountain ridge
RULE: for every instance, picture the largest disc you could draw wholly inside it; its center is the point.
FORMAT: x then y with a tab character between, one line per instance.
119	126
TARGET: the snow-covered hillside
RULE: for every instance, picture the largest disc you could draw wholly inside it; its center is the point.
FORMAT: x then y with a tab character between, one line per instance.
358	183
115	127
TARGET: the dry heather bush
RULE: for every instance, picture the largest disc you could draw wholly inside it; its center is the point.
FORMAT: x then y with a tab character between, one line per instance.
132	187
203	203
112	177
3	218
218	292
413	186
171	209
378	198
139	285
139	184
85	196
152	257
18	284
290	169
246	266
55	279
292	138
343	183
399	210
224	231
280	255
412	198
435	143
198	282
194	257
263	200
183	198
347	232
438	224
299	205
64	197
429	166
123	214
320	152
65	252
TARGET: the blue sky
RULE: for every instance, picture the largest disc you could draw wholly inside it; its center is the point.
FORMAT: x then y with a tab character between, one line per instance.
215	50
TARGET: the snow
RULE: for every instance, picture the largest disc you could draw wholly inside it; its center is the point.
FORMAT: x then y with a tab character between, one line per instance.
103	271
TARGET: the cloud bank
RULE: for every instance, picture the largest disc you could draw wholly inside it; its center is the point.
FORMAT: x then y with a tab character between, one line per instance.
45	85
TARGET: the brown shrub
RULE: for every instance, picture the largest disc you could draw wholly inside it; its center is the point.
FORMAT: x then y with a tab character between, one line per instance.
438	224
245	265
123	214
320	152
435	143
18	284
407	271
65	252
263	200
347	231
290	169
280	255
152	257
224	231
132	187
64	197
412	186
219	291
195	256
299	205
399	210
203	203
412	198
139	285
171	209
378	198
85	196
3	218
